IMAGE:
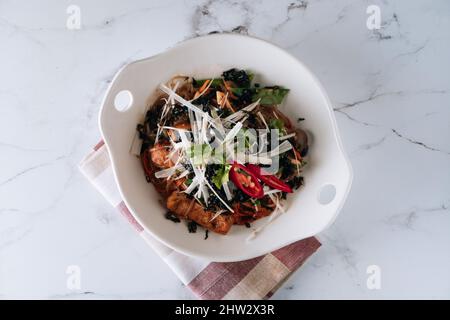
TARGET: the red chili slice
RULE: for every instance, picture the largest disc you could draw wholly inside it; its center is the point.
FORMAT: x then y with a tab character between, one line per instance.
269	179
246	181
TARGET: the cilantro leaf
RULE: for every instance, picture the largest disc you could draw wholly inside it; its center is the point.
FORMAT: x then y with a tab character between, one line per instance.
221	177
270	95
276	124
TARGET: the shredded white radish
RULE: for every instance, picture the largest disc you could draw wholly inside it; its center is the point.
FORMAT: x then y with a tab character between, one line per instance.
258	159
168	105
262	119
184	140
282	148
233	132
218	213
203	131
186	103
244	118
192	186
182	175
278	205
204	90
167	172
198	127
193	122
175	129
205	193
227	191
271	191
297	163
181	100
221	200
174	89
275	214
239	114
286	136
218	123
275	114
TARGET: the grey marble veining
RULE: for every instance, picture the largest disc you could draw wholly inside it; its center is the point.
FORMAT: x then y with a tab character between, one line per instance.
390	90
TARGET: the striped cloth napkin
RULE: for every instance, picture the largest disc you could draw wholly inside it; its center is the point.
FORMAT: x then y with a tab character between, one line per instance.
257	278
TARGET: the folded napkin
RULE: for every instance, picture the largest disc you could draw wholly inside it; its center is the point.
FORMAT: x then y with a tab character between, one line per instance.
257	278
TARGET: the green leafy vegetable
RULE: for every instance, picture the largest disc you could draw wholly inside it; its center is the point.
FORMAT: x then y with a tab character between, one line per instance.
241	91
257	202
251	75
215	82
221	176
270	95
276	124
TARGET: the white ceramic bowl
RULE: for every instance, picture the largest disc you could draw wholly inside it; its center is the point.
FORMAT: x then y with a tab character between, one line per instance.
205	57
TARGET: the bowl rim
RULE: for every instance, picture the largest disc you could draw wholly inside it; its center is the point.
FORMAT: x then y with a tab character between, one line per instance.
240	255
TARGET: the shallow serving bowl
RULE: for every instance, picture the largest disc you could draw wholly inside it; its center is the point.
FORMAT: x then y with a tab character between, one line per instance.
327	176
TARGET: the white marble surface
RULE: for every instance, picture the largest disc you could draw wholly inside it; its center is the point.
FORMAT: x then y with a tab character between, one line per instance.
390	89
